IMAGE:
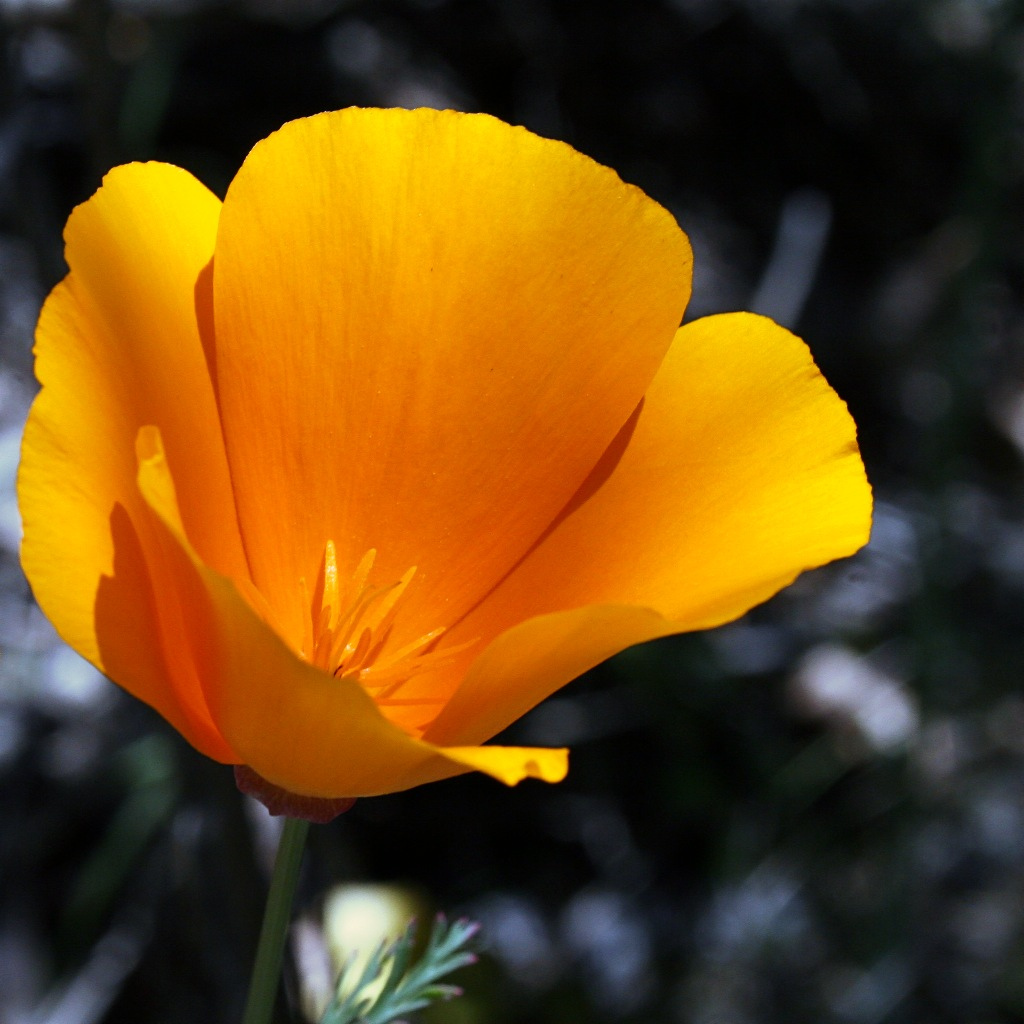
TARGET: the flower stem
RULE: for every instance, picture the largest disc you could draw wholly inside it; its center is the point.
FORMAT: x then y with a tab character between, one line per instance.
266	972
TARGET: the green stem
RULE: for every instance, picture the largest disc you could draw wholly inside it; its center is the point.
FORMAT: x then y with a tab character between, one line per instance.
266	972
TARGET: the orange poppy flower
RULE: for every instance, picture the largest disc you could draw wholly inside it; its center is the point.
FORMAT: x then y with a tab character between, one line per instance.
346	473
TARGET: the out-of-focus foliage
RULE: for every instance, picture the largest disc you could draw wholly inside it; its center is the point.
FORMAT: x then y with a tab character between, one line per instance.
813	815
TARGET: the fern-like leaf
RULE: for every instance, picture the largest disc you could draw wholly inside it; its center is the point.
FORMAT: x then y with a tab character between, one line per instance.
407	987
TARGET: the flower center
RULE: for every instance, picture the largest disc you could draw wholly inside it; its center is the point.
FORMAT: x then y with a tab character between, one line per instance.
348	633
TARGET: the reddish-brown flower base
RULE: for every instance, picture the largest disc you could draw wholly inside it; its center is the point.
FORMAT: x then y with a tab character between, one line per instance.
279	801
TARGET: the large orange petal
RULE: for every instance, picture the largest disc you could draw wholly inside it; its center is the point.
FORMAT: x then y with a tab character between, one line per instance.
117	346
429	326
298	727
739	471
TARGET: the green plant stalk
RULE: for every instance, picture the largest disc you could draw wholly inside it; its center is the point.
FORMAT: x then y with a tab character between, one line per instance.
266	971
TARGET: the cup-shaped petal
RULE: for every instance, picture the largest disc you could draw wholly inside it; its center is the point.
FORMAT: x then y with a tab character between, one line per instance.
297	726
429	326
739	470
118	346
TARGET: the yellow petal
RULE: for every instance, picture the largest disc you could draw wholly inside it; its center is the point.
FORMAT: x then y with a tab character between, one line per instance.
429	326
298	727
117	345
513	764
739	471
531	660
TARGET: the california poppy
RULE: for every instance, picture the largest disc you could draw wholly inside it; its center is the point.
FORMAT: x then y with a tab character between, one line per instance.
346	473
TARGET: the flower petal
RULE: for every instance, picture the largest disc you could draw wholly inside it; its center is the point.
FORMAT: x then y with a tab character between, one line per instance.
512	764
295	725
118	345
531	660
429	326
739	471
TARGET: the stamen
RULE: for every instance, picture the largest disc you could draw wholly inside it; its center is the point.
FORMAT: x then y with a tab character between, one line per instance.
361	649
349	628
337	638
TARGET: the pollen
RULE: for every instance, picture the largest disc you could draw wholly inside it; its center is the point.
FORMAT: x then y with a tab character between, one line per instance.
349	629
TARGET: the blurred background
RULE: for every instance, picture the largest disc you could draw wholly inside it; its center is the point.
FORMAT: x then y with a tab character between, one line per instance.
815	814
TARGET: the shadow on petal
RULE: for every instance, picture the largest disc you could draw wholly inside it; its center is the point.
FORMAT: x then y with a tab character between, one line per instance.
138	646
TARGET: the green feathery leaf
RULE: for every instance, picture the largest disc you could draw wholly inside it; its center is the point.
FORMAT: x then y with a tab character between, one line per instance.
406	988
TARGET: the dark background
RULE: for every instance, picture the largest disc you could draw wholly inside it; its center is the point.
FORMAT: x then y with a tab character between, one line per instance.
813	815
